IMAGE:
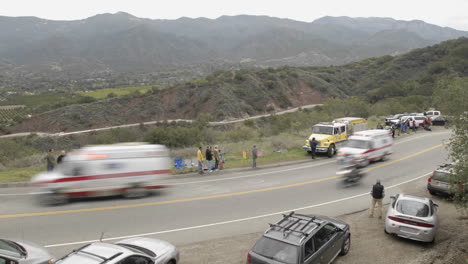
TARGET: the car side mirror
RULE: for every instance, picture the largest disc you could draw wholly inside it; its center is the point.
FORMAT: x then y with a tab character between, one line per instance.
392	197
436	205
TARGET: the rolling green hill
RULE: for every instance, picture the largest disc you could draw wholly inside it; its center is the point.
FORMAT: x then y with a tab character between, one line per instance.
233	94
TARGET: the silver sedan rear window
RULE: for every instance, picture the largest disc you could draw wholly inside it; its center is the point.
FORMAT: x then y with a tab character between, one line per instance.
413	208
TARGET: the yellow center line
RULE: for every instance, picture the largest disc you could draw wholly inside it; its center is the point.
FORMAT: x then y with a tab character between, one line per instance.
116	207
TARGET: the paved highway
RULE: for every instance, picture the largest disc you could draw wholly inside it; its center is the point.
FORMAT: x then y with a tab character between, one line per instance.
218	204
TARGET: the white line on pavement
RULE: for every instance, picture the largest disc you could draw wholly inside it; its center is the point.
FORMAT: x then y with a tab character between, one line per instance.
233	221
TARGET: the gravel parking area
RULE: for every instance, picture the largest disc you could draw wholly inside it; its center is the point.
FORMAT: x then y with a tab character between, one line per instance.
369	242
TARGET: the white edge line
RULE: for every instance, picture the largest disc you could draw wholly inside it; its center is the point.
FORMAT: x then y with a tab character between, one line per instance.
232	221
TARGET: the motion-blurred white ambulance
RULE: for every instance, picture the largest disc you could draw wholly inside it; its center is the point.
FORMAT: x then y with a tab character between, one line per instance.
130	169
366	146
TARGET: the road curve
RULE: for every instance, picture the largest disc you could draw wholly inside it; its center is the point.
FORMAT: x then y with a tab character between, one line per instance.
216	205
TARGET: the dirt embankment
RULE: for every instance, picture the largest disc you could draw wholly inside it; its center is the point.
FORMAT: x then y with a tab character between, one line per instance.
369	242
174	103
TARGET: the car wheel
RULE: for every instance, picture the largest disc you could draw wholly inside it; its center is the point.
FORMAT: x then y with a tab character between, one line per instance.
135	192
384	157
346	246
171	262
432	192
331	150
53	199
432	242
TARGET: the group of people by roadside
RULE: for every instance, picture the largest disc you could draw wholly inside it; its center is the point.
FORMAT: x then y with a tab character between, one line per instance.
212	160
51	161
404	127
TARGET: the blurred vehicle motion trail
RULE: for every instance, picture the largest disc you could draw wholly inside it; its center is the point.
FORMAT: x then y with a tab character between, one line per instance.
131	170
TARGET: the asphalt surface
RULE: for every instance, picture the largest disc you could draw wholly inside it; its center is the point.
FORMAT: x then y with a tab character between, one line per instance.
216	205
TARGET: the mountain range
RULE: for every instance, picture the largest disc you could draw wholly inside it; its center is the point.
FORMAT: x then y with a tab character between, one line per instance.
413	76
105	45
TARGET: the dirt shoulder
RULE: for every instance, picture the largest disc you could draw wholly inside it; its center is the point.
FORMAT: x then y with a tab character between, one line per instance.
369	242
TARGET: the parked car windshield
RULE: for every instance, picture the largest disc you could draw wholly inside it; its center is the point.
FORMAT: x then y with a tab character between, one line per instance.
360	144
9	249
276	250
326	130
413	208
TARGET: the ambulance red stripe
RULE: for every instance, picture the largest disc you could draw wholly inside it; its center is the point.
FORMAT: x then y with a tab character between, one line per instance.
106	176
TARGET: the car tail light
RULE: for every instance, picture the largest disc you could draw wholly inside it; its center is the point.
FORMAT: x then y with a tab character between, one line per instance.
410	222
429	179
249	258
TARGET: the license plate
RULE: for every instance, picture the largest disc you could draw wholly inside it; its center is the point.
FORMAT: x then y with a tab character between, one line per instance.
408	230
442	184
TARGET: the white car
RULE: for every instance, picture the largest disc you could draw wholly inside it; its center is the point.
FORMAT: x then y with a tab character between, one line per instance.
418	118
138	250
412	217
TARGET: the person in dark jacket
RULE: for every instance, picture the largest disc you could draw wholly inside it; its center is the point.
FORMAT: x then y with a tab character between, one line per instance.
254	156
60	157
377	194
209	157
313	147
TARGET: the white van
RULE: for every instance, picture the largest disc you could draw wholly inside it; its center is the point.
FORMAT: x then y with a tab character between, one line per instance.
366	146
131	169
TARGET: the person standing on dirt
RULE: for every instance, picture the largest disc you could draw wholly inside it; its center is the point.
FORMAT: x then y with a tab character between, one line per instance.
60	157
313	147
377	194
254	156
209	157
414	126
200	159
50	160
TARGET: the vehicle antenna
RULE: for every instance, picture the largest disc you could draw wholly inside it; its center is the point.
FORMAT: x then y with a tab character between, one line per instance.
102	235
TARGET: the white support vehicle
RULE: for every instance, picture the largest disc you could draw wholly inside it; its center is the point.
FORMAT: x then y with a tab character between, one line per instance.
366	146
131	169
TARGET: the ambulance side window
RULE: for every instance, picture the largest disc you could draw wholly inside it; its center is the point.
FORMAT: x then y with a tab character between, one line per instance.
343	129
335	132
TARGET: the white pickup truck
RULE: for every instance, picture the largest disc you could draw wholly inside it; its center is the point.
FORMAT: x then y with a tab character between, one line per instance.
436	116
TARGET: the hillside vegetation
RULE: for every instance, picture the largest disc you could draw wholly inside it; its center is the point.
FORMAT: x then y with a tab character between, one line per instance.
120	48
388	82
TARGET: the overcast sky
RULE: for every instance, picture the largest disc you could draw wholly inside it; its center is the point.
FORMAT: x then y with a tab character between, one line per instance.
451	13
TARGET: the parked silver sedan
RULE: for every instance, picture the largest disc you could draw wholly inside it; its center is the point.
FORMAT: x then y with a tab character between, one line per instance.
412	217
23	252
138	250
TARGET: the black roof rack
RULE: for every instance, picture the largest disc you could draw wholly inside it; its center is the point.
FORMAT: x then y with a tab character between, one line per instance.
289	228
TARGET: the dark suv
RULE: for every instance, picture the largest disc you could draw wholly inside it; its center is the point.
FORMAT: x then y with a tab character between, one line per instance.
301	238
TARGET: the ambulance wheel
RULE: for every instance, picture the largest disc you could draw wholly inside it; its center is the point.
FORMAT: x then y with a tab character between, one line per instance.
135	192
384	157
331	150
53	199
